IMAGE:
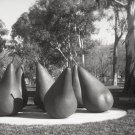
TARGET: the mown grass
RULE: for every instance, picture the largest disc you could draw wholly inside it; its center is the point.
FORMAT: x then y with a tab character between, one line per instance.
122	126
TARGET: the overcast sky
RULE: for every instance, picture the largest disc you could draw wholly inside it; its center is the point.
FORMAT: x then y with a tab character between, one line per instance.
10	10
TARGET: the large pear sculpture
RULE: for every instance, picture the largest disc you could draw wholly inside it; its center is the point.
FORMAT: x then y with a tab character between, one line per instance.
43	82
21	84
60	101
96	96
10	97
77	87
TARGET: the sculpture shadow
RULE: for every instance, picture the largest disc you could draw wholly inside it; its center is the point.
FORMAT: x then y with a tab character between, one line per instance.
80	110
83	110
34	113
18	104
24	91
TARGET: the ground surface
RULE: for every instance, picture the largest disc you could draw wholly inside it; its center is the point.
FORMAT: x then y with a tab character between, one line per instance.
31	115
122	126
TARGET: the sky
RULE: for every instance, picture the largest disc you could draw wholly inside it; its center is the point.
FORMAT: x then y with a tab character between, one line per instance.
10	11
106	34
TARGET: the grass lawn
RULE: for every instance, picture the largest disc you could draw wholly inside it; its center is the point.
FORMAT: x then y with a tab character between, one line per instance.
122	126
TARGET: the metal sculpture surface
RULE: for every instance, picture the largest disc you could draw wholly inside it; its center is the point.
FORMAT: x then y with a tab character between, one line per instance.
21	84
10	97
43	82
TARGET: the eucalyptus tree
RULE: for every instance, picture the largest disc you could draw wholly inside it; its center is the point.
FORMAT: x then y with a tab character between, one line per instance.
3	32
58	27
71	25
120	27
121	60
130	48
30	28
129	6
99	62
119	30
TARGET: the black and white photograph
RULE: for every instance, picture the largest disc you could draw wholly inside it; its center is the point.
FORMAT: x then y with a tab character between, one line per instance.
67	67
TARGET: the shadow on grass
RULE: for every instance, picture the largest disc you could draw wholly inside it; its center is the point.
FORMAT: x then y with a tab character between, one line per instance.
124	105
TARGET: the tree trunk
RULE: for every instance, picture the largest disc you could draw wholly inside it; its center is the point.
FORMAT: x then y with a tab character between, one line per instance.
115	53
82	50
83	60
83	57
130	54
115	65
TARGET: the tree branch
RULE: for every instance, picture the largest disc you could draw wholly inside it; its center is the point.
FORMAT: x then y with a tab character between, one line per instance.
13	58
61	53
129	33
120	3
122	31
4	55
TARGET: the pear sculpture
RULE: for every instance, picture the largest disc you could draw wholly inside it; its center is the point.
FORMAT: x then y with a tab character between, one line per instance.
77	87
43	82
60	101
96	97
10	97
21	84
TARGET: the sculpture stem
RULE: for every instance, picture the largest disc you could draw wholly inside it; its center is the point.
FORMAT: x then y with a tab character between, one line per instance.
13	59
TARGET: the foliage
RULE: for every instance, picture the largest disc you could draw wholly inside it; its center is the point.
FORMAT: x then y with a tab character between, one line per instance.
3	32
72	22
5	59
54	26
57	28
99	61
28	54
21	27
128	5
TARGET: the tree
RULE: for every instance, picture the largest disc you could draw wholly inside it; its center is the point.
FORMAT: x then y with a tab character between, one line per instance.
99	61
57	26
27	54
121	59
71	25
130	49
119	28
3	32
21	28
129	86
30	28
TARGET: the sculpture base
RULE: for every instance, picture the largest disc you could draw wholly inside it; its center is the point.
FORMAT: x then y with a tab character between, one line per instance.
31	115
